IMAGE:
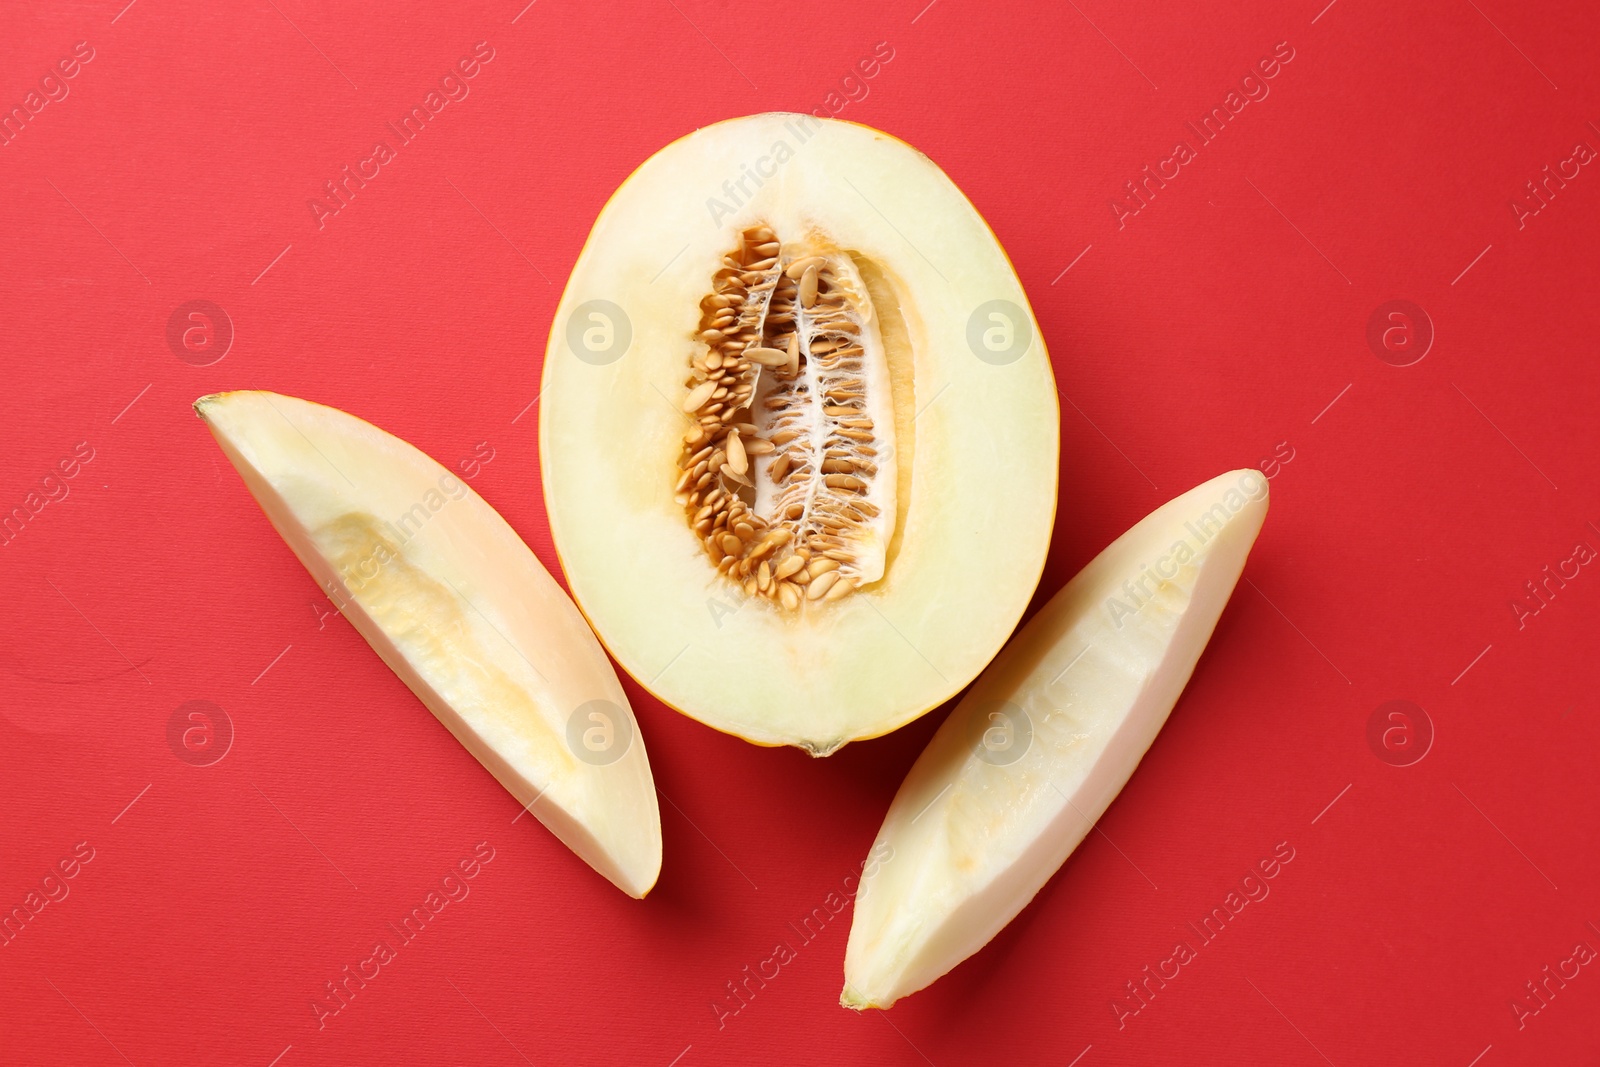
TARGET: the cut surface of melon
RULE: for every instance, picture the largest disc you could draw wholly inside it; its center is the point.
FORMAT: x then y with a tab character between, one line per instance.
461	609
798	432
1043	742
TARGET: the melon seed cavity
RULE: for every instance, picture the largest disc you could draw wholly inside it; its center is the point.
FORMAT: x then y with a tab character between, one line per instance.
787	477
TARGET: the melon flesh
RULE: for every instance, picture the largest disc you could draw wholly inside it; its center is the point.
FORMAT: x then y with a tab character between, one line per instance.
959	464
459	607
1037	750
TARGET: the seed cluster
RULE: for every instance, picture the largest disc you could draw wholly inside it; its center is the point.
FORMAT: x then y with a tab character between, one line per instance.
775	472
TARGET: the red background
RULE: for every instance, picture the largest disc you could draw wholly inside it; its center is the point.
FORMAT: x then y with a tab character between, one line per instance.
1223	319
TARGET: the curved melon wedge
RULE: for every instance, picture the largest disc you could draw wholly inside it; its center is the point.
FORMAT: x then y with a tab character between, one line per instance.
446	592
1044	741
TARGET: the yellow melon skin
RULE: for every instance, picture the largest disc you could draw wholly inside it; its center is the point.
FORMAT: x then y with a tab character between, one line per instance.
975	435
1043	742
459	607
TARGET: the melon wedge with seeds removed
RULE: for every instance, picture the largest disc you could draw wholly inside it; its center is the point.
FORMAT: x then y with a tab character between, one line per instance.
444	590
1041	745
798	432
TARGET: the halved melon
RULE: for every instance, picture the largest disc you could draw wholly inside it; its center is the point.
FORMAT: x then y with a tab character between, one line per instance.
1040	746
444	590
798	432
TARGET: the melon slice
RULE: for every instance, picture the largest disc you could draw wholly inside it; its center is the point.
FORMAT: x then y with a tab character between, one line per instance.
798	432
1041	745
444	590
